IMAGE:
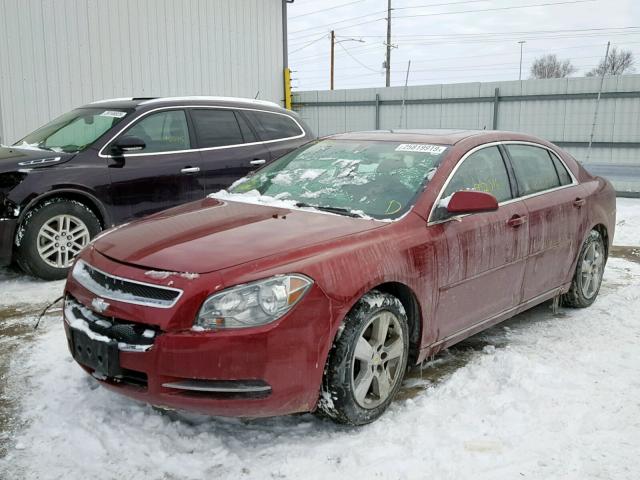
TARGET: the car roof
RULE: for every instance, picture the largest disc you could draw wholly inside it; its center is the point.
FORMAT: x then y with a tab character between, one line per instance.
133	102
440	136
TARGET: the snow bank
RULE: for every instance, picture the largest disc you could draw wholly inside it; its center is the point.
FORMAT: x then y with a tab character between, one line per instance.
627	222
537	397
18	288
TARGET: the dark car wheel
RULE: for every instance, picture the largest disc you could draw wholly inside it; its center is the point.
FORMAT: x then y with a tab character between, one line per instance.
52	234
588	276
367	361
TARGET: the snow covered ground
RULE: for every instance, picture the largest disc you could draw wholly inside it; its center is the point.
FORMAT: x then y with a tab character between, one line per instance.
539	396
627	222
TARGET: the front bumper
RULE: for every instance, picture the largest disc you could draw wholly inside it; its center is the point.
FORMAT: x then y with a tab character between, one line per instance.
255	372
7	234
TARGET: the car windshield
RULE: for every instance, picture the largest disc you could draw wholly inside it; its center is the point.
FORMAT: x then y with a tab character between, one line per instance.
74	131
380	179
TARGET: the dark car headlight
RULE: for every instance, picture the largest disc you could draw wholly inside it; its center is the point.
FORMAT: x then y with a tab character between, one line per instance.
252	304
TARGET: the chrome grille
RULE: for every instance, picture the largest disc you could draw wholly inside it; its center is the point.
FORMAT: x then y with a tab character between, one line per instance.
122	289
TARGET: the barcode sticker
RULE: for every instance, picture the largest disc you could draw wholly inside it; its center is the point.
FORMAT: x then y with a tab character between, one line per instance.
421	147
113	114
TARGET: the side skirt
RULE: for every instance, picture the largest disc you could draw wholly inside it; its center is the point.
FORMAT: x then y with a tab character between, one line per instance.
434	348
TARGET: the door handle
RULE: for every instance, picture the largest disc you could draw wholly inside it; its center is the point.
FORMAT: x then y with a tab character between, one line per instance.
516	221
579	202
190	170
258	161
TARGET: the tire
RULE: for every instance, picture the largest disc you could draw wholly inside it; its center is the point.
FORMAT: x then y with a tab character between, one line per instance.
588	275
340	398
39	253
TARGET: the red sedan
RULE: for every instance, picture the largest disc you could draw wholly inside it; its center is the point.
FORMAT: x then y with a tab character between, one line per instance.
312	284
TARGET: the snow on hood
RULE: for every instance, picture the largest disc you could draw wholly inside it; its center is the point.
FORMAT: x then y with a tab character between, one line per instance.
218	233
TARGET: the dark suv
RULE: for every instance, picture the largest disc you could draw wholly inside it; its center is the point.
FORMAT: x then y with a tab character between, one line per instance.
114	160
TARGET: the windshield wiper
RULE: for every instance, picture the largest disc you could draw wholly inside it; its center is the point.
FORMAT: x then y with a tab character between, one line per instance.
338	210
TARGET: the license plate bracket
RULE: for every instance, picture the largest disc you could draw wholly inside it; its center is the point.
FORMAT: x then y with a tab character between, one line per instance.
103	357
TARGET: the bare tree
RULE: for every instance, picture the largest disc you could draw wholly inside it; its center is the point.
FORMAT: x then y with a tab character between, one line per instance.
617	63
548	66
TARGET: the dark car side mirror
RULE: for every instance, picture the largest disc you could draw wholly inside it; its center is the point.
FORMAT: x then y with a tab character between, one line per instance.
128	144
471	201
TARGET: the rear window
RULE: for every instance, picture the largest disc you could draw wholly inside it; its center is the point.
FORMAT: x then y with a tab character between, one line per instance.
565	178
533	168
273	126
216	128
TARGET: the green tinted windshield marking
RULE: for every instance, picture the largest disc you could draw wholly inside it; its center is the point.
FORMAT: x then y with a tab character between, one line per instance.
380	179
75	130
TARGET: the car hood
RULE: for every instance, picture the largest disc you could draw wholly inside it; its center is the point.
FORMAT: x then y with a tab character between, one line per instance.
16	158
212	235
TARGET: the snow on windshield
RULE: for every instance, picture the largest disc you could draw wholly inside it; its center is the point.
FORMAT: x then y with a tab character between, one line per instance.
380	179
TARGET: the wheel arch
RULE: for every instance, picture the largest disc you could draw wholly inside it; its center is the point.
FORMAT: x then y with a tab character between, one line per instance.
86	198
602	230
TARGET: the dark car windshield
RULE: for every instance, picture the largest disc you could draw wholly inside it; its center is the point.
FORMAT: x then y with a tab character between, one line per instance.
380	179
75	130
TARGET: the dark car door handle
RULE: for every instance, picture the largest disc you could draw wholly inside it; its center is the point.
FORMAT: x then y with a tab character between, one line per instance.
190	170
578	202
258	161
516	221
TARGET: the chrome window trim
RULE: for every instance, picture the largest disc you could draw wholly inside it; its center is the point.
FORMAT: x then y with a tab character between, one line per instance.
101	153
574	180
105	293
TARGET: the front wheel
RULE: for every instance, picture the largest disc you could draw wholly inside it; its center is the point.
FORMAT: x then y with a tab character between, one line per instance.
588	275
367	362
52	234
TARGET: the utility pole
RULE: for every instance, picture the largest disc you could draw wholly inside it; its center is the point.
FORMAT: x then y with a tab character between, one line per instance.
521	42
595	114
387	62
333	54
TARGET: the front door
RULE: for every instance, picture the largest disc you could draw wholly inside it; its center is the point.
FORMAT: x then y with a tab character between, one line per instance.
162	175
554	203
480	257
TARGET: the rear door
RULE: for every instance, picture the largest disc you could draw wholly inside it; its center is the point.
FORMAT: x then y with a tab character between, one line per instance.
281	132
160	176
229	147
481	257
554	202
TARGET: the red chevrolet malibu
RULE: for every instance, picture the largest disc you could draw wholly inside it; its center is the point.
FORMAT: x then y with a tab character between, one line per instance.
312	284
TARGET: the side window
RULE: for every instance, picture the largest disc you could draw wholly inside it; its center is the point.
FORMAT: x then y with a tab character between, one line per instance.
162	132
533	168
484	171
247	133
272	126
565	178
216	128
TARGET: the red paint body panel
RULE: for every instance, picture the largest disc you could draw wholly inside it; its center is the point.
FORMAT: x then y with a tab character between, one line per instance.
464	276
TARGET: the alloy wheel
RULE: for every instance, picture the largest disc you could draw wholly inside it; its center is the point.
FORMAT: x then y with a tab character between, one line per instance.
60	239
377	360
591	269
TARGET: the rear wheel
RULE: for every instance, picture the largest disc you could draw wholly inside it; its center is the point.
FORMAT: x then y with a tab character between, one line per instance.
588	276
367	362
52	234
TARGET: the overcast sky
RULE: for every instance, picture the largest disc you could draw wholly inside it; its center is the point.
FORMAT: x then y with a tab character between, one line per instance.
454	41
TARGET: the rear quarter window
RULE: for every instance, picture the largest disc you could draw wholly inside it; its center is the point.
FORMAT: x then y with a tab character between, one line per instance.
273	126
563	174
533	168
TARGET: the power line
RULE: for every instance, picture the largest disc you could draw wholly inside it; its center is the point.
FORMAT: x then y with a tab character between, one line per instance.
358	61
309	44
325	9
494	9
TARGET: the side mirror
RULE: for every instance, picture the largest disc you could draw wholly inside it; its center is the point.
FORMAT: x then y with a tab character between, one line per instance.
128	144
471	201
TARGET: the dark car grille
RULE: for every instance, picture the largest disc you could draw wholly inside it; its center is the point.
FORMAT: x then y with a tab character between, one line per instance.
123	290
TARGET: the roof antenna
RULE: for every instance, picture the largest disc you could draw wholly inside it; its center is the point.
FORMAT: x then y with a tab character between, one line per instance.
257	95
595	114
404	96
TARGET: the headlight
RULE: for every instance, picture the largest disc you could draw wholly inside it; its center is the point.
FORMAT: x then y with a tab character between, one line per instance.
253	304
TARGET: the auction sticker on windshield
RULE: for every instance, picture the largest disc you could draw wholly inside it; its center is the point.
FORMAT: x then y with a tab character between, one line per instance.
421	147
113	114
